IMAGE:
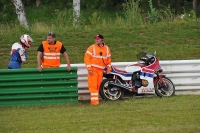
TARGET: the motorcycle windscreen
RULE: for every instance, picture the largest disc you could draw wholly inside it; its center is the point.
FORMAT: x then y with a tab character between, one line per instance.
147	83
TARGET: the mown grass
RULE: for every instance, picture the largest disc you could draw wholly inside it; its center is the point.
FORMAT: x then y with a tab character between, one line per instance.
178	114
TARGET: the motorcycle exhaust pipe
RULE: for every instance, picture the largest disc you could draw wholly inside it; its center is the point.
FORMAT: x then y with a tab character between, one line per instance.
112	84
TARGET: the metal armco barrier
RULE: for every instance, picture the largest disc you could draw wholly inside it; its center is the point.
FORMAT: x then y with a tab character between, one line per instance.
185	75
27	86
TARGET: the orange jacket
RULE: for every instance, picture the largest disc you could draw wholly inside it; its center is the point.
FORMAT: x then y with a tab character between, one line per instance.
99	57
51	55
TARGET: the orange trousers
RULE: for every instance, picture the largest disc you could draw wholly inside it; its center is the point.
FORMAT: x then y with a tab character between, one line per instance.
94	82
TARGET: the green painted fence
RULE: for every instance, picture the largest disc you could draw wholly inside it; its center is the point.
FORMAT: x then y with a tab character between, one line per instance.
27	86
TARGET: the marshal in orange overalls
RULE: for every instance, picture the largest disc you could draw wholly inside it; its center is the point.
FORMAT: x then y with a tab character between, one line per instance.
96	59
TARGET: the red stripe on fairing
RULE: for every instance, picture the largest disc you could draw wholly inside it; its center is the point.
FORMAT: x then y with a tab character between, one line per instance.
144	69
119	71
13	51
139	64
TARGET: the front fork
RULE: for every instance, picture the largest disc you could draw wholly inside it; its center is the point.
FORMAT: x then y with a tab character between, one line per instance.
159	78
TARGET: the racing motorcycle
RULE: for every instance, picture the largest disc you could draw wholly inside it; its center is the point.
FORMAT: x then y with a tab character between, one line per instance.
144	77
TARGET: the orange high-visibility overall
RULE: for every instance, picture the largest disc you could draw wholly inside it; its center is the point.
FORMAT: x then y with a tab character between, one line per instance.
51	55
96	59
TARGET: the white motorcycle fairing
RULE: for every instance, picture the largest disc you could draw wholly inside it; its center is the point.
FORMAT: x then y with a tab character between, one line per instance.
131	69
127	74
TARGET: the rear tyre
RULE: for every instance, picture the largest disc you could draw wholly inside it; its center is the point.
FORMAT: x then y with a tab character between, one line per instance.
108	93
163	91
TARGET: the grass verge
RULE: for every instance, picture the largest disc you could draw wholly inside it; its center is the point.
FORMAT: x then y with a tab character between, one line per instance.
172	41
173	114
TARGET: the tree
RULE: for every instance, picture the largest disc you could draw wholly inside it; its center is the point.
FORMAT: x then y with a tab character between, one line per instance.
159	5
21	13
76	12
195	4
38	3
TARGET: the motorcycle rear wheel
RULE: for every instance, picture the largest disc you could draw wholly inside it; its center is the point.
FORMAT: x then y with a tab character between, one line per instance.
108	93
165	91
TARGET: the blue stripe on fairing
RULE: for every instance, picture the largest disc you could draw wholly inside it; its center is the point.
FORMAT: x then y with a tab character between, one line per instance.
146	74
121	73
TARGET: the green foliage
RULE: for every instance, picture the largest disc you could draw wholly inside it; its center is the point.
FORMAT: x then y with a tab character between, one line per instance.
52	4
166	14
132	13
198	12
189	16
44	14
152	14
63	18
7	11
95	19
178	114
102	5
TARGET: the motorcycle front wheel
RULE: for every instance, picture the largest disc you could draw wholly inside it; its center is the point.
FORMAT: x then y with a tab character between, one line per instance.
163	91
108	93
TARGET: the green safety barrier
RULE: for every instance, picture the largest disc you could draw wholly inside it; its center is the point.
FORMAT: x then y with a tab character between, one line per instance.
27	86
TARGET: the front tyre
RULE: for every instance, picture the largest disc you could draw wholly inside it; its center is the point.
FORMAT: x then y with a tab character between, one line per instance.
163	91
108	93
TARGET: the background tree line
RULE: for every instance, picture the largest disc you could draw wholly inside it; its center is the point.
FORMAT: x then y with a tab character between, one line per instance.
8	13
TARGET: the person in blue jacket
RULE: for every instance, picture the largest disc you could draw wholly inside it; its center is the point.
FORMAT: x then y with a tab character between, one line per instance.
19	53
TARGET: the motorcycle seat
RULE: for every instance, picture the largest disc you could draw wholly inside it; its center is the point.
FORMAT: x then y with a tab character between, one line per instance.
117	70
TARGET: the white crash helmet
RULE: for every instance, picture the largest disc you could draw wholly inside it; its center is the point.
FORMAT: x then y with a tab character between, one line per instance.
26	39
